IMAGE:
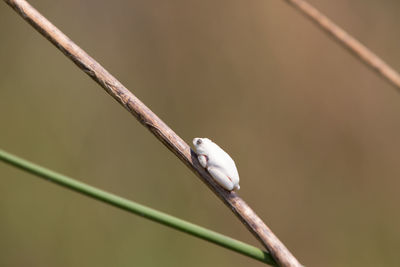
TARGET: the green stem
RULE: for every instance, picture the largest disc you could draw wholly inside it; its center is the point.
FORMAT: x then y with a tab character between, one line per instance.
138	209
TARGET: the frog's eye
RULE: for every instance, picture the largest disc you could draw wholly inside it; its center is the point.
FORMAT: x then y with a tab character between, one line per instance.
199	141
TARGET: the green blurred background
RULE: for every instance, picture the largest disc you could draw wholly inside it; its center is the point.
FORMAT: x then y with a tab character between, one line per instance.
315	134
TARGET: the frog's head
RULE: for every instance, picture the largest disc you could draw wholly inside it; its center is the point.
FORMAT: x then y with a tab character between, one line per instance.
202	145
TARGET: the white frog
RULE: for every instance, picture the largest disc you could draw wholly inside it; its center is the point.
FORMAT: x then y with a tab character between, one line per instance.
218	163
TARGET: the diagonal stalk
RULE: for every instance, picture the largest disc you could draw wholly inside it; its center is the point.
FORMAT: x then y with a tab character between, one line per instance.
156	126
138	209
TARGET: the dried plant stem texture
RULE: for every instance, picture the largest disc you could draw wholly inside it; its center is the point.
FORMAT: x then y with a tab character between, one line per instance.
347	41
150	120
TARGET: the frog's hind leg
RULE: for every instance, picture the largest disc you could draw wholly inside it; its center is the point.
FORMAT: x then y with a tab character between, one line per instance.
221	178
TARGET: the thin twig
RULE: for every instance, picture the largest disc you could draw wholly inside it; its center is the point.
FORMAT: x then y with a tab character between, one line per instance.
138	209
350	43
150	120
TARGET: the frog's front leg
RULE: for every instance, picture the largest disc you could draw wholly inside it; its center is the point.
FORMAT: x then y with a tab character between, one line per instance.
203	159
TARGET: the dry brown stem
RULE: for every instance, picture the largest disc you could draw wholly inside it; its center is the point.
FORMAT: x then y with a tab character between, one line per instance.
163	133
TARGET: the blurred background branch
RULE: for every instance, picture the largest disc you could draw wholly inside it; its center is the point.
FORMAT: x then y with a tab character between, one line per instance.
172	141
138	209
359	50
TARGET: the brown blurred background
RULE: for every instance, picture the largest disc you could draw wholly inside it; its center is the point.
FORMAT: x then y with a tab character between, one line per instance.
315	134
